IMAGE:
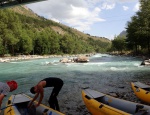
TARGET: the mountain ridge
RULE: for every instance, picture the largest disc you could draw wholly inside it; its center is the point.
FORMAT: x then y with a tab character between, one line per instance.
123	33
59	28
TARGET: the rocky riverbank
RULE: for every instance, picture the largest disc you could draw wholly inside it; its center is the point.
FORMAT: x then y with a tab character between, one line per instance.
29	57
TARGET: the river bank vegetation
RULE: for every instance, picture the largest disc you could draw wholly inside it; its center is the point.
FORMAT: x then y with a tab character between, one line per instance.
137	38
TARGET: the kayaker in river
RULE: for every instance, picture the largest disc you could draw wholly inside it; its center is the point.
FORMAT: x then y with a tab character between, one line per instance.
57	83
5	88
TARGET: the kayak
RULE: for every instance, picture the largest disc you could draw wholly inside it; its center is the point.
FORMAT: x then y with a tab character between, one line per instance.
142	91
99	103
17	105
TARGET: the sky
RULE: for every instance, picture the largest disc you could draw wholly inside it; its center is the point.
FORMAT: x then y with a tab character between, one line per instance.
102	18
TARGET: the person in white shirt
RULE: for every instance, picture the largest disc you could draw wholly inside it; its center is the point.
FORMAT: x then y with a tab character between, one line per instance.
5	88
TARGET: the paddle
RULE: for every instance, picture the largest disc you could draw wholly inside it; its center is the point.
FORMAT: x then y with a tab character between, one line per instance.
6	107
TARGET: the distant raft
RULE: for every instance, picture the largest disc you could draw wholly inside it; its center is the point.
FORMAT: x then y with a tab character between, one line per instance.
101	104
142	91
17	105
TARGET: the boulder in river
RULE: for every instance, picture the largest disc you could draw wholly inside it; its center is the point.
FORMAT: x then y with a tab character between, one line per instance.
82	59
146	62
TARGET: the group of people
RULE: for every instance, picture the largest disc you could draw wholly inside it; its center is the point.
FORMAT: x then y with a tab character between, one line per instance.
38	90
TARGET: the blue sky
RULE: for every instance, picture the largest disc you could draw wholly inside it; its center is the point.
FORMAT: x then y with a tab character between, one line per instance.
103	18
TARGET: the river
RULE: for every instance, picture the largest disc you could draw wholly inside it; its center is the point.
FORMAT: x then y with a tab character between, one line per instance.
105	73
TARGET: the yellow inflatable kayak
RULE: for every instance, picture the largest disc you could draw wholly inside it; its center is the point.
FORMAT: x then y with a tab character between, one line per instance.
142	91
17	105
101	104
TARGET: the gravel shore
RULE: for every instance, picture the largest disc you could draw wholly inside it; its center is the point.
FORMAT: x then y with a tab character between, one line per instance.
124	92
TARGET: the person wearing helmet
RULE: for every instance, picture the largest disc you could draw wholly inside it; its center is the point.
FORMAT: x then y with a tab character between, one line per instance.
7	87
57	83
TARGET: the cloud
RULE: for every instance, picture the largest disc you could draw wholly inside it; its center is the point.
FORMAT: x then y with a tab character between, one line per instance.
126	0
79	11
110	37
136	7
82	18
108	6
125	8
79	14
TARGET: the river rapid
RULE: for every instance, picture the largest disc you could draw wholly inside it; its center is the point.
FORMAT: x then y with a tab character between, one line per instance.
104	73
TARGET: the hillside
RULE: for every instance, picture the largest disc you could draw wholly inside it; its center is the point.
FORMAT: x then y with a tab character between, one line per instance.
59	28
24	32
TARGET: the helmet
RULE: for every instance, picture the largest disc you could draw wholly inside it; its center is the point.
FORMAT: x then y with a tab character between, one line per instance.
13	84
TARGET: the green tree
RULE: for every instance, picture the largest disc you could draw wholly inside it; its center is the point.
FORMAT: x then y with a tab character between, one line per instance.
138	28
67	44
119	43
25	43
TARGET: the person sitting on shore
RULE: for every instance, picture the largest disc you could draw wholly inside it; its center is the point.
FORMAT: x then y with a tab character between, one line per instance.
57	83
5	88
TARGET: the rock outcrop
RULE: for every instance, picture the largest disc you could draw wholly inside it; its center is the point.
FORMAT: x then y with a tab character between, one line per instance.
146	62
80	59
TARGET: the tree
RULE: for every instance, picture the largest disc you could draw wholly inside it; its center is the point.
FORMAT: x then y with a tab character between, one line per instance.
138	29
119	43
25	43
133	36
67	44
54	46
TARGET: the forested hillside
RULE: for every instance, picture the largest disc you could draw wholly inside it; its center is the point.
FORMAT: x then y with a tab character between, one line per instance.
24	32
